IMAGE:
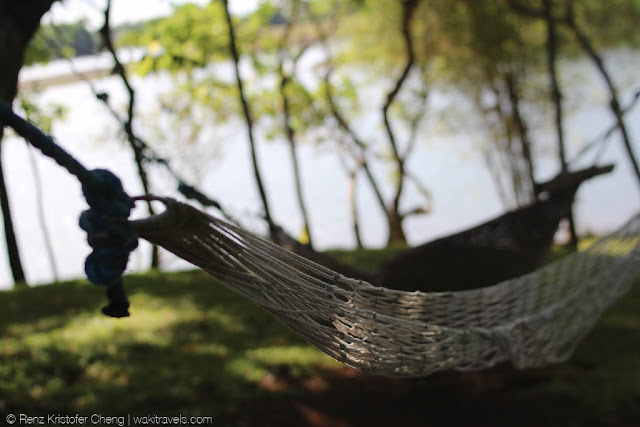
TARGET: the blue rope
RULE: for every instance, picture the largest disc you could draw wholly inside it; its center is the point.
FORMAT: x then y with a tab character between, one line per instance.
110	235
106	221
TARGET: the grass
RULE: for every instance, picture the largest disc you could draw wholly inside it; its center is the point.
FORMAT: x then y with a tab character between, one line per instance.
190	345
604	373
366	259
193	347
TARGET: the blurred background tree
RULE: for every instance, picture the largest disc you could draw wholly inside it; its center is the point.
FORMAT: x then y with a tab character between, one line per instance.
505	57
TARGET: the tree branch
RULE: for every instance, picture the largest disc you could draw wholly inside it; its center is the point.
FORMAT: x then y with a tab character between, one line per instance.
408	7
397	233
289	131
134	142
614	104
342	123
273	232
568	20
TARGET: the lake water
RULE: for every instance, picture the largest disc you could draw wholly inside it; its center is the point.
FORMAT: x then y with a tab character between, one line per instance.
449	162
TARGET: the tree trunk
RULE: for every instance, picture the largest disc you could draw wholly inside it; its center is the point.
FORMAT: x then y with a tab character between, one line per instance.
358	151
273	231
18	23
614	104
556	95
353	207
360	157
525	143
41	215
294	154
396	234
134	142
144	180
569	20
508	164
9	232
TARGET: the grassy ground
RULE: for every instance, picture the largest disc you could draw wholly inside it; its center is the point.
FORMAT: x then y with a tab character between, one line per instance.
192	347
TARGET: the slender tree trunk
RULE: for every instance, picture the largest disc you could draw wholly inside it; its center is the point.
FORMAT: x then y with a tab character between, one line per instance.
507	162
144	180
357	151
293	153
493	157
569	20
361	147
134	142
273	231
9	232
525	143
285	78
556	95
353	207
494	172
298	182
41	215
614	103
18	23
396	232
352	174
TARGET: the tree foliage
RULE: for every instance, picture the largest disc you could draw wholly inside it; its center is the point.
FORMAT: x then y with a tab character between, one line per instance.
485	49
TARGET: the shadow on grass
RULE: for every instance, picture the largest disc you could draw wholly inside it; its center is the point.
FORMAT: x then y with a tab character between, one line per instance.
193	347
190	347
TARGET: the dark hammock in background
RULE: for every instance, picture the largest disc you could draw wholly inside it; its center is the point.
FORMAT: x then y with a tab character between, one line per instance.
508	246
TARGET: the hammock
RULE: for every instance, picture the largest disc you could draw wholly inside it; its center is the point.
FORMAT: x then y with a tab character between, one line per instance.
533	320
505	247
508	246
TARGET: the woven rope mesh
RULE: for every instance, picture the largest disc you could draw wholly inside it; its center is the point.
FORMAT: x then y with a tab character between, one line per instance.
534	320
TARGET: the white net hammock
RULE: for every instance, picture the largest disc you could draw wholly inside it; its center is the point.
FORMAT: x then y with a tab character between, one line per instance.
531	321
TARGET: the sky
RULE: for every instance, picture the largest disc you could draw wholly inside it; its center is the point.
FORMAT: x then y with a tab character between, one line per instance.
123	11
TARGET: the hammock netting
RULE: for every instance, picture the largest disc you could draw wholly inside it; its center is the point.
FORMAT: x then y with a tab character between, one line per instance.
531	321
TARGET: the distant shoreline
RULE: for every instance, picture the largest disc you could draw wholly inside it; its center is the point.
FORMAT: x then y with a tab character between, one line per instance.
61	79
71	70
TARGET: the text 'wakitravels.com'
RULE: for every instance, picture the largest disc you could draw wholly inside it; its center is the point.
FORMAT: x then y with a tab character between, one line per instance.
105	420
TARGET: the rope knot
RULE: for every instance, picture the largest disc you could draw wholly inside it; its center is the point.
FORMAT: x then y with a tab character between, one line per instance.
110	236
